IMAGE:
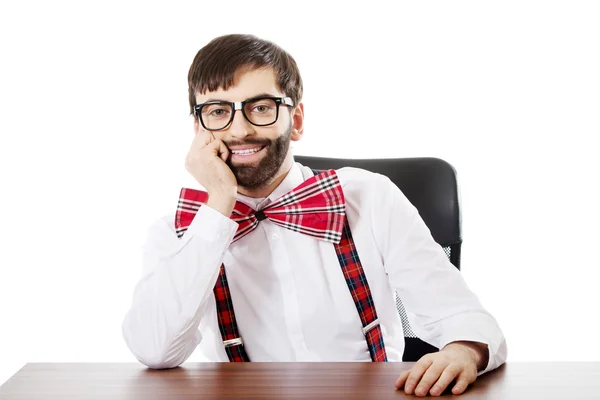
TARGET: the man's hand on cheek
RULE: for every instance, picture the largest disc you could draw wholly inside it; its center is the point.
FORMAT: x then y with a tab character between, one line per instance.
433	373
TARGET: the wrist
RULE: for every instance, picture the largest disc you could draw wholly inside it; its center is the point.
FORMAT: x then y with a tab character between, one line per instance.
478	351
222	203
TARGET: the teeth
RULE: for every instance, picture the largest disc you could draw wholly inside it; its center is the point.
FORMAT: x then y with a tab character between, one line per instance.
246	152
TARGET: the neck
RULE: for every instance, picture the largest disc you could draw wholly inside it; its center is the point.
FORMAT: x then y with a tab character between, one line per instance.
266	190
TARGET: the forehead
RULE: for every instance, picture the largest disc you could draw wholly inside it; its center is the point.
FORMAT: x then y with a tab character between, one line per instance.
246	84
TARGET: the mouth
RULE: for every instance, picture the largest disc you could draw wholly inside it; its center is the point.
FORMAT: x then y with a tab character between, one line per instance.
248	154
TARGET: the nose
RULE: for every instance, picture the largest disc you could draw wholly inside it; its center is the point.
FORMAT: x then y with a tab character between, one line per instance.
240	127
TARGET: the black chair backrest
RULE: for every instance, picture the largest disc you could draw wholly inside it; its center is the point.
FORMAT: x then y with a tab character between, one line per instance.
431	185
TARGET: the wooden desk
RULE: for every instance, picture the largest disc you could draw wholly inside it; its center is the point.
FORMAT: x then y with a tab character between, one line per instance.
84	381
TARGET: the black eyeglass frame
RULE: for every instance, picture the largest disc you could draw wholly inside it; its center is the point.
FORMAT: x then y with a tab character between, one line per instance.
239	105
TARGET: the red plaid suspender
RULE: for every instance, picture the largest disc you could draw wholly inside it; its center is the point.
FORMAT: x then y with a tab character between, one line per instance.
190	201
234	347
361	294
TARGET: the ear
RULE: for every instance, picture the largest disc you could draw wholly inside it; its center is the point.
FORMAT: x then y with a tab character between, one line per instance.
297	122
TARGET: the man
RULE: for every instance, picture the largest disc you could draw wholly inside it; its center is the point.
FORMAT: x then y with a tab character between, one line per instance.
241	273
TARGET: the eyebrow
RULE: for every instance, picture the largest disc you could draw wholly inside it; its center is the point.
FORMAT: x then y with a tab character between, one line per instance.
250	98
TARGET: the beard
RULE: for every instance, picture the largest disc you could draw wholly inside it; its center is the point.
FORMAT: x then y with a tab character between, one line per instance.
257	176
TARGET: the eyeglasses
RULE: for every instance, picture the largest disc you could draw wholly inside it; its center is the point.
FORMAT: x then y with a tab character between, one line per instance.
259	111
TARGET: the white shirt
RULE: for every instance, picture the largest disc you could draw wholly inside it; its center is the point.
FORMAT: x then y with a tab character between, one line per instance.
288	291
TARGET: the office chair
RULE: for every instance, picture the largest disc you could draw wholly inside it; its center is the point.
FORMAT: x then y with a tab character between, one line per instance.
430	184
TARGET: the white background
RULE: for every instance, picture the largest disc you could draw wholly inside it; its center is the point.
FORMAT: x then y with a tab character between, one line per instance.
94	130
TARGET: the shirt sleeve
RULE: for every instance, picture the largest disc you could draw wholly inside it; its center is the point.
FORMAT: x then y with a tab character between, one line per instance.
440	307
178	276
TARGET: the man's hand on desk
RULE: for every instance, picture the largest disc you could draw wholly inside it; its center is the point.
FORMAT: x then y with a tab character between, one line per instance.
434	372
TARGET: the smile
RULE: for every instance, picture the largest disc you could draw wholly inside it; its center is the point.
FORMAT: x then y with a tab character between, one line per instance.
246	152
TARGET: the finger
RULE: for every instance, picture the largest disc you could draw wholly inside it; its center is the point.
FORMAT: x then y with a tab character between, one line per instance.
218	148
402	379
464	380
223	151
450	372
430	377
202	139
416	373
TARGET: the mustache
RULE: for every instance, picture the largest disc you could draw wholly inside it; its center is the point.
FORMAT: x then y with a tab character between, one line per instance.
257	141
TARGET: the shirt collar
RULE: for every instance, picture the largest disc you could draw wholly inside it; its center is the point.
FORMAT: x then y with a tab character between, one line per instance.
293	178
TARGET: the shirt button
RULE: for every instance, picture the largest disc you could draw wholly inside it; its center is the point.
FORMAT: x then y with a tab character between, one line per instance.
275	236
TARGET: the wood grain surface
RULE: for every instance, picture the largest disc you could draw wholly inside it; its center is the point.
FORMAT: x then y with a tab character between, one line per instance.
63	381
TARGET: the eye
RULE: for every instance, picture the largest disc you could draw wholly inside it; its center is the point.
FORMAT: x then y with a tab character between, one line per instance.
216	111
261	108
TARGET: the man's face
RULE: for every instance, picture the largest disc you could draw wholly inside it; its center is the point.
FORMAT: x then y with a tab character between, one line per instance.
257	153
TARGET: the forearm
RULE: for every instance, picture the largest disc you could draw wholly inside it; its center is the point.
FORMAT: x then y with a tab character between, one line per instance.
161	327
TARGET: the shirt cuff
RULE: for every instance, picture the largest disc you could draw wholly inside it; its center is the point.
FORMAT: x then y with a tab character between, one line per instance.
211	226
477	328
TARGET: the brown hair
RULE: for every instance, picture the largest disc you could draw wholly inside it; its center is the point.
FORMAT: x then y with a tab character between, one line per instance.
216	63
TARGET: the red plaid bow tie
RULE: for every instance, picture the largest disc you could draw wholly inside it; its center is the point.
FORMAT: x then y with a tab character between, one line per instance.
316	208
